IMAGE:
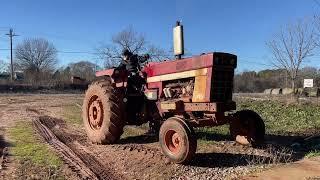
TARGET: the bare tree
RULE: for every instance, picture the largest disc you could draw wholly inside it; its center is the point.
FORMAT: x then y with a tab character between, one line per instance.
292	46
3	66
37	55
83	69
317	28
133	41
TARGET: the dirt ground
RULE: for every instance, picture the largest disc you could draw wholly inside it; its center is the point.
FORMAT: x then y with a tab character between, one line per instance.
137	157
305	169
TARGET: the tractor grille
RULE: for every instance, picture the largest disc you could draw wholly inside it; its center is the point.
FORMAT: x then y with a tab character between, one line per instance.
222	84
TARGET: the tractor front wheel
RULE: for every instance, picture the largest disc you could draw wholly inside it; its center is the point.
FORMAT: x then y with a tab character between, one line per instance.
247	128
177	140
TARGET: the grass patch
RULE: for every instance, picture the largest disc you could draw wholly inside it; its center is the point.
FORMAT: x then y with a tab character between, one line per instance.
281	118
27	147
72	114
313	153
207	133
35	159
131	131
207	136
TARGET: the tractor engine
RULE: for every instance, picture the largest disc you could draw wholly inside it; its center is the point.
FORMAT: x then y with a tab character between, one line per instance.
179	89
201	83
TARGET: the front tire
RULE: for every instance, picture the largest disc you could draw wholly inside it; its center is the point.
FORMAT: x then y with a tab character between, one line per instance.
102	112
247	128
177	140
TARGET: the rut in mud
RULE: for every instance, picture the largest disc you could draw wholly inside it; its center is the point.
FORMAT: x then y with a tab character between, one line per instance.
130	159
85	166
118	161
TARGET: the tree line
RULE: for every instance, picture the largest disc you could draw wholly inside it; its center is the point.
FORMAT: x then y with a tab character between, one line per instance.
253	82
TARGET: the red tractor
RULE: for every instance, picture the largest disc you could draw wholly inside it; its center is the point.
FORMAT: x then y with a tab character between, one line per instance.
177	95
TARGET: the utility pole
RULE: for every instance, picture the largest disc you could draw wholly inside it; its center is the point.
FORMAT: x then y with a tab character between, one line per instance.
11	35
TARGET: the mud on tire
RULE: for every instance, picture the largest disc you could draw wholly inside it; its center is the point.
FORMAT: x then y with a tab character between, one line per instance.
102	112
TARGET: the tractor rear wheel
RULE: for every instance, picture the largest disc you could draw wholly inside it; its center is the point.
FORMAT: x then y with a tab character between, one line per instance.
247	128
102	112
177	140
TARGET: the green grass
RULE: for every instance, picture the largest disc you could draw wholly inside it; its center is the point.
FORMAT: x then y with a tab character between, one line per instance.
207	133
283	119
26	147
72	114
313	153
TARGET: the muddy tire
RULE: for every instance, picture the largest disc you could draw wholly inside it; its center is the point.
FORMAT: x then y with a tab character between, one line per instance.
247	128
177	140
102	112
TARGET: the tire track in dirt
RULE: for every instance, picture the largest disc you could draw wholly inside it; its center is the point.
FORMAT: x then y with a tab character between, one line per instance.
82	163
125	161
3	154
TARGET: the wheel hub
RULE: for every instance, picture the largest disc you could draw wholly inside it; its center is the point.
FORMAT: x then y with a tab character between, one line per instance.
95	111
173	141
176	139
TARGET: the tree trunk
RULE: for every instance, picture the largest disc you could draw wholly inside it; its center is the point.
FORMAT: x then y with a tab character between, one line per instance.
293	86
295	94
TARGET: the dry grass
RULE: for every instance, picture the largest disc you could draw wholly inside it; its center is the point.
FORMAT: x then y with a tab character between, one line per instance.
72	114
273	155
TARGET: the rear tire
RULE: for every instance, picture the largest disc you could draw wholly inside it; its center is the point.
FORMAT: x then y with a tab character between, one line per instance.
247	128
102	112
177	140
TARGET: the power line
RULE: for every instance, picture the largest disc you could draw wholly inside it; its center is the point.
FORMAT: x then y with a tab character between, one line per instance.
63	52
60	37
3	38
316	2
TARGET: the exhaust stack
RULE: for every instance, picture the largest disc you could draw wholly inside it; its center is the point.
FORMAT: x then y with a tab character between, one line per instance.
178	40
